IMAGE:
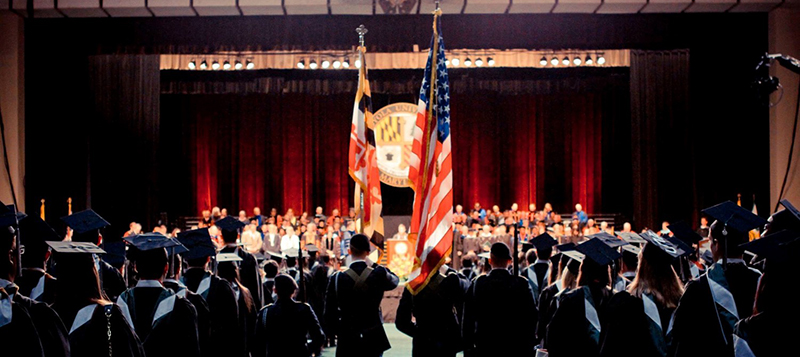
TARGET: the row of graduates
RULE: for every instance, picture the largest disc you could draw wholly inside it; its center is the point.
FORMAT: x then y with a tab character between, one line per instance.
570	303
77	304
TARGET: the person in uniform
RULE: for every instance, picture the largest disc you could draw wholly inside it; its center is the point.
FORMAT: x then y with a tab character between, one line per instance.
97	327
724	294
491	301
32	326
771	330
539	269
576	326
222	304
282	327
353	299
639	317
35	282
228	270
248	268
165	322
86	227
435	327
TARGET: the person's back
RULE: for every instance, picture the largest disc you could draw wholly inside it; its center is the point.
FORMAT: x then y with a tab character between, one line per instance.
435	329
282	327
353	299
490	302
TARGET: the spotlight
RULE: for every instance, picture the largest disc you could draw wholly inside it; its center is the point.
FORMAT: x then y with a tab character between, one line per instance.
455	62
543	61
250	65
554	61
301	64
238	65
601	60
226	65
588	60
337	64
215	65
358	63
346	63
565	61
468	62
192	64
490	61
478	62
312	64
203	65
447	62
577	61
326	64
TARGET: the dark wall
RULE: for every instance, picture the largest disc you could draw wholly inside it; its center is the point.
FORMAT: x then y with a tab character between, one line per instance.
729	131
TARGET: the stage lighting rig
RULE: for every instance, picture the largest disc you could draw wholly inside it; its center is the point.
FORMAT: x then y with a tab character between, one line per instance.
468	62
346	63
490	61
764	84
226	65
301	64
337	64
600	59
554	61
455	62
588	60
326	63
215	65
250	64
312	64
238	65
478	62
565	61
192	64
577	61
203	65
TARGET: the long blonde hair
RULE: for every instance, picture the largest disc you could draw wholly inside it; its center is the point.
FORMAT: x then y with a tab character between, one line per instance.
655	276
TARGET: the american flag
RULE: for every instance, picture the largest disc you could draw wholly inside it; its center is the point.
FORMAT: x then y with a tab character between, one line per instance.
363	160
431	171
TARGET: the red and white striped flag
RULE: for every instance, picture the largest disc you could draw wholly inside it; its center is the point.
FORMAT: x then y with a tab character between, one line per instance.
363	160
431	171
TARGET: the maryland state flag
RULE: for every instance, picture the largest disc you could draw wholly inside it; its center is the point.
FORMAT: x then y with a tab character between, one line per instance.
363	161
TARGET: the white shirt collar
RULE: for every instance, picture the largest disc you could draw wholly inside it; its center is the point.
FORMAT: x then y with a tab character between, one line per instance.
541	261
732	261
148	284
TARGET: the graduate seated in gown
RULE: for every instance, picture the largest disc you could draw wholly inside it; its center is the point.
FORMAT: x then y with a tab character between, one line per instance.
87	313
713	303
27	327
284	328
639	317
577	323
165	322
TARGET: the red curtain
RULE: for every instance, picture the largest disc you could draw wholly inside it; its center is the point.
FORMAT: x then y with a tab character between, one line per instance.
290	150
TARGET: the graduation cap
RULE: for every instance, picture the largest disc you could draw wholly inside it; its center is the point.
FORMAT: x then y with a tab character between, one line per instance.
75	248
85	222
790	207
526	247
311	248
687	249
292	253
544	241
682	231
575	260
632	249
115	252
36	233
734	216
484	255
773	247
631	237
670	249
229	224
150	241
609	240
566	247
598	251
228	257
198	242
278	257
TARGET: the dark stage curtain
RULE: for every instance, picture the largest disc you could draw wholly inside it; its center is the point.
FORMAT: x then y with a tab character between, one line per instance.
289	150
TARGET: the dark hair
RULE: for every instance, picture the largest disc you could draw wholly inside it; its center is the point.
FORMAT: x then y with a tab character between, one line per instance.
230	272
656	277
592	273
78	284
150	264
271	268
197	262
731	240
229	236
530	256
285	286
544	253
629	259
7	239
466	262
291	262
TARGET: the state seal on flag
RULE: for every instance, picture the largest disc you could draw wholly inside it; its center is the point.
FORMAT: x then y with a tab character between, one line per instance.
394	126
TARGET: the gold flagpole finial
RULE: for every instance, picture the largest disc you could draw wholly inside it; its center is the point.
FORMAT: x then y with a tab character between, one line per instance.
361	31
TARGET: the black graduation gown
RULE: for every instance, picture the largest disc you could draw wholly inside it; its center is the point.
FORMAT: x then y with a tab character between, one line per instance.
203	313
248	274
268	287
111	281
90	339
770	333
224	311
696	328
436	331
52	333
31	280
490	303
547	308
247	318
568	330
355	315
171	335
316	298
308	285
628	330
20	332
281	330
